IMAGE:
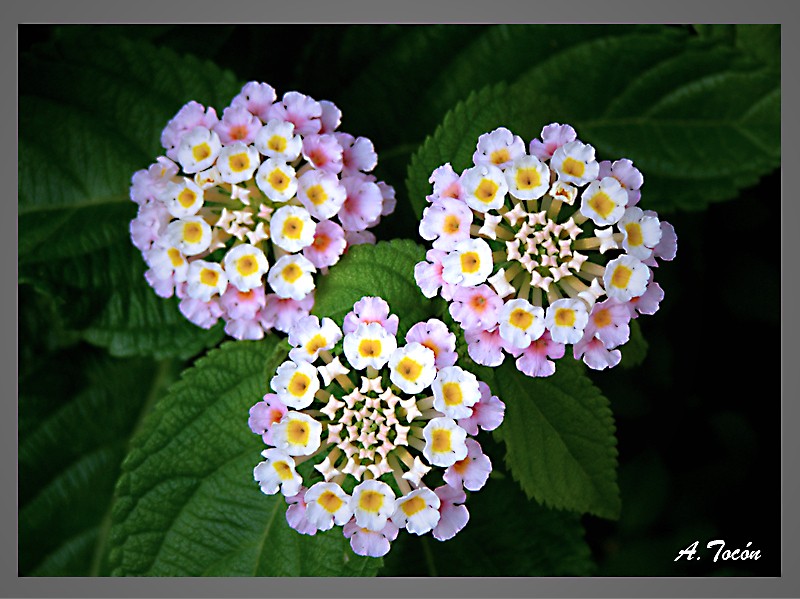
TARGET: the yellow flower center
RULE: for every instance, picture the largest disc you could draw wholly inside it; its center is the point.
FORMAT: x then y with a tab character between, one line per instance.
283	469
573	167
486	190
201	151
520	318
186	197
602	204
291	273
316	194
369	348
602	318
298	385
451	224
247	265
441	441
409	369
370	501
278	180
452	394
621	277
413	505
317	342
565	317
292	227
297	432
175	257
634	231
470	262
500	156
528	178
209	277
330	502
192	232
239	162
277	143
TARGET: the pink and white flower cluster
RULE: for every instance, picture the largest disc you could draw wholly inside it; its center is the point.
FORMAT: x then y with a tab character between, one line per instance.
243	210
374	436
541	247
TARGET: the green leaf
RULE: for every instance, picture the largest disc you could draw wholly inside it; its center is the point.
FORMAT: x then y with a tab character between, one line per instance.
635	350
77	412
91	113
386	270
559	433
507	535
700	119
187	504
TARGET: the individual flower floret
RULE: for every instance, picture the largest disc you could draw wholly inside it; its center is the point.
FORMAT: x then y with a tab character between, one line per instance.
604	201
198	150
327	504
444	442
566	319
455	391
184	198
309	336
278	180
435	335
245	265
642	233
472	472
278	141
625	278
275	175
528	178
290	277
383	429
292	228
372	504
499	148
417	512
469	264
574	163
485	187
412	368
205	279
295	383
191	235
525	245
276	472
297	434
370	344
446	222
321	193
370	309
521	322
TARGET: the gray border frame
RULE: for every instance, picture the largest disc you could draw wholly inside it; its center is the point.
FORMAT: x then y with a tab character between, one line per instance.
427	11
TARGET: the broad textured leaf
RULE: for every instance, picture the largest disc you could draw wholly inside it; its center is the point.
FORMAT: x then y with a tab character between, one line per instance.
559	432
91	113
507	535
77	412
700	119
386	270
187	504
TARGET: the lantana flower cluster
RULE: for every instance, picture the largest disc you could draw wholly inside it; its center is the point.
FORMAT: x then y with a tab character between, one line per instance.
243	210
541	247
372	434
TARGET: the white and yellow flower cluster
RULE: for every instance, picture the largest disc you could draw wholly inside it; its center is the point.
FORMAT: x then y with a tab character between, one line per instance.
527	241
371	435
244	210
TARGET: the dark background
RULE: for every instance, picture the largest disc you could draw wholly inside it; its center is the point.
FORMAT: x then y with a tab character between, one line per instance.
698	422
